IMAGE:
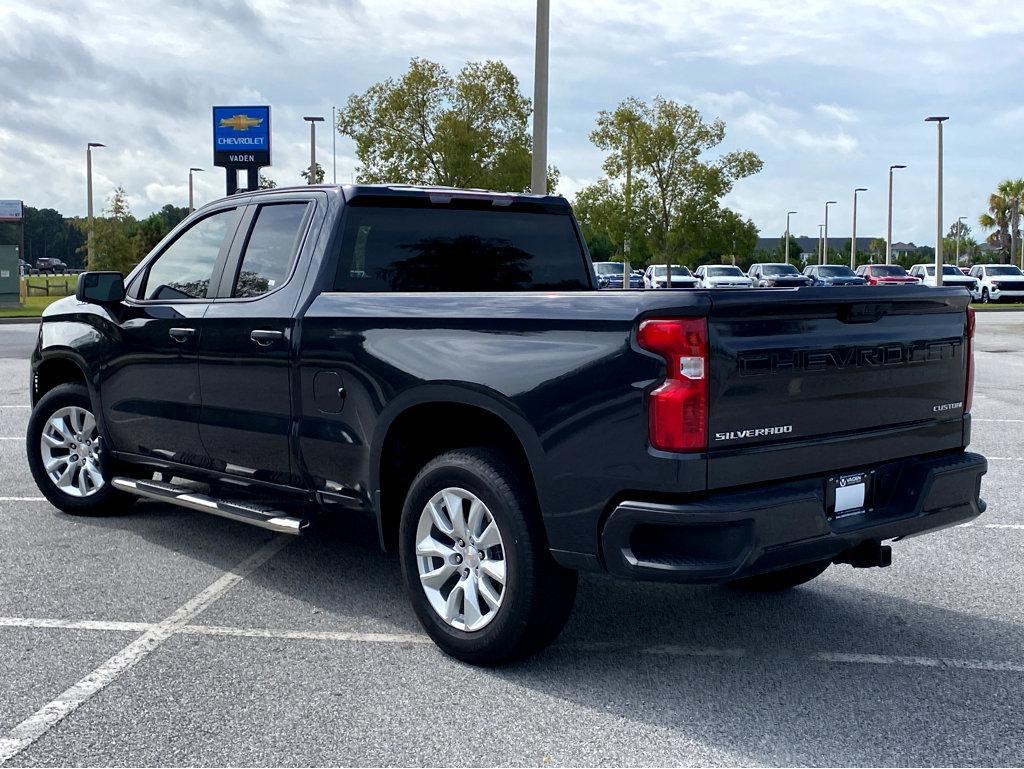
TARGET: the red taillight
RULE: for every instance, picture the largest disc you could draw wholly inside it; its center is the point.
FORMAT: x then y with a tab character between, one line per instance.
678	408
969	391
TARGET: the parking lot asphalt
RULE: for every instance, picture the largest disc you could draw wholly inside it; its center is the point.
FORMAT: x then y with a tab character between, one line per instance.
172	638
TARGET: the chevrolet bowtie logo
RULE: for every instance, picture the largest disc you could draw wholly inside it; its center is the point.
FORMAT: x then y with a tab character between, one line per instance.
240	122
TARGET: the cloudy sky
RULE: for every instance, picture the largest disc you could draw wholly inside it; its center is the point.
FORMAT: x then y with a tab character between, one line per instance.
828	93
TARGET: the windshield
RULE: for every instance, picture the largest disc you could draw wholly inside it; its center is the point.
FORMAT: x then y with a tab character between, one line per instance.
1005	269
835	271
779	269
608	268
677	269
947	269
889	270
724	272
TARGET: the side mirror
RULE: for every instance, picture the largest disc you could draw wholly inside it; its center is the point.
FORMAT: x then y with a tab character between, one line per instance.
100	287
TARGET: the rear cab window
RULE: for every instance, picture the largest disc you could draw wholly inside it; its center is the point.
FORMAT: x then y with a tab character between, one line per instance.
426	248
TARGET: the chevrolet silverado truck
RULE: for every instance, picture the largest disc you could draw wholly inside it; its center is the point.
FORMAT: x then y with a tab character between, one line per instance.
439	363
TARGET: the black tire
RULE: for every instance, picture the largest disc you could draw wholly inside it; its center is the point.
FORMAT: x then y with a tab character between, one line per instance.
776	581
538	594
103	501
985	298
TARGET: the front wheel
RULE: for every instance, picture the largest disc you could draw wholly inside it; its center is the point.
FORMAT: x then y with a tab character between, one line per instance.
67	457
783	579
985	298
476	565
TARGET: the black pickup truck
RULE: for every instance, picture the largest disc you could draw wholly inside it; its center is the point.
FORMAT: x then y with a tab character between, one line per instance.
440	362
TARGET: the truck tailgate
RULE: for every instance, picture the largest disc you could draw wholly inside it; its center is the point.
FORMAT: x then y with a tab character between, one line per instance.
820	379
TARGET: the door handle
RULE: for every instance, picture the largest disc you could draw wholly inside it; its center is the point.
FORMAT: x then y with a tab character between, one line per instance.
264	338
181	334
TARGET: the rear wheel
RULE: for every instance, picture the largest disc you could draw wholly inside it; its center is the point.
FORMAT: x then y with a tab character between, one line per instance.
775	581
985	298
475	561
67	456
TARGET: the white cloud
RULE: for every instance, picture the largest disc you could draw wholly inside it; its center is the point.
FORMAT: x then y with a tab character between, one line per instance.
835	112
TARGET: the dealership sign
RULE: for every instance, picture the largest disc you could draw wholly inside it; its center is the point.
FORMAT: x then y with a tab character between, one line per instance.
11	211
241	137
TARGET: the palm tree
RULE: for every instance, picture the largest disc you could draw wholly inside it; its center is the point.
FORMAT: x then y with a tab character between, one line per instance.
1012	191
998	219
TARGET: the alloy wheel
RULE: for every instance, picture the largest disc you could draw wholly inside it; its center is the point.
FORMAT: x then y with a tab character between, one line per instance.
460	556
70	449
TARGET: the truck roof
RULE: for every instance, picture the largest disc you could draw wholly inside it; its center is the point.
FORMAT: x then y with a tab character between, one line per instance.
436	194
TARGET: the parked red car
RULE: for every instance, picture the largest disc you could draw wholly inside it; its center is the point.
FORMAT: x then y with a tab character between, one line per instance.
885	274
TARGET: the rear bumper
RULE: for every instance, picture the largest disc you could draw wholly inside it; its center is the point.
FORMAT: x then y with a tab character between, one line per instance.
737	534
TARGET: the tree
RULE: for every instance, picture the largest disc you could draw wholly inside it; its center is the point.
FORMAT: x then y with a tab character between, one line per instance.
148	233
430	127
1004	212
266	183
959	234
601	211
877	248
172	216
114	244
662	145
318	177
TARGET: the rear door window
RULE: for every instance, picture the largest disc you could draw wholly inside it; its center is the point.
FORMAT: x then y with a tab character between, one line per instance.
270	249
434	249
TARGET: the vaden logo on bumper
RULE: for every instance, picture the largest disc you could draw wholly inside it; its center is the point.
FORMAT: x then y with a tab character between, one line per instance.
753	432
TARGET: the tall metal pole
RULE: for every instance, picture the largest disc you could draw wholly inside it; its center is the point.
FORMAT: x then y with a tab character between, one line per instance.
888	227
853	236
824	250
191	206
334	144
938	120
788	214
820	226
312	120
88	191
539	170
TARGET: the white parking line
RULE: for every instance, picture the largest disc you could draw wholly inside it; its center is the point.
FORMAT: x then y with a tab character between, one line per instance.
76	624
48	716
12	437
1011	526
599	647
22	499
1014	421
1005	459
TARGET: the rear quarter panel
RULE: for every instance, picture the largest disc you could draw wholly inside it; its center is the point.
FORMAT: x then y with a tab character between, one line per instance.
560	368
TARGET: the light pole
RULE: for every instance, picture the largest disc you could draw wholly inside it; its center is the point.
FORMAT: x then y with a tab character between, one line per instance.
191	207
959	235
820	226
788	214
888	226
824	243
938	120
334	144
312	120
539	167
88	192
853	236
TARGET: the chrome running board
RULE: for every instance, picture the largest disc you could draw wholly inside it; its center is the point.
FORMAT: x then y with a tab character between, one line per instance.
242	511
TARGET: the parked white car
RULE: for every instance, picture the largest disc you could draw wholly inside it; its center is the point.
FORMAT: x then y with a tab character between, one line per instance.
951	276
722	276
999	281
656	276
